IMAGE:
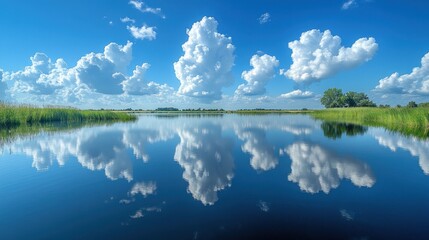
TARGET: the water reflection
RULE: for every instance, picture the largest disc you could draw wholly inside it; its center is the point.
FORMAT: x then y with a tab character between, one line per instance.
336	130
97	148
191	163
256	144
204	150
417	147
206	157
316	169
93	154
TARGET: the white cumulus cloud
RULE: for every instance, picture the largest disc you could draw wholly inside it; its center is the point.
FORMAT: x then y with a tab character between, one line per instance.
205	67
297	94
104	72
94	78
143	32
317	55
41	77
415	83
263	70
264	18
136	84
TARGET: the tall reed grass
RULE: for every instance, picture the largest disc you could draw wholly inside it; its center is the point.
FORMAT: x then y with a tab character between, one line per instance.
409	121
16	115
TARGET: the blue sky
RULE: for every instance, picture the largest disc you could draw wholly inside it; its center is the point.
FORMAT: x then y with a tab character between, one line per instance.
121	53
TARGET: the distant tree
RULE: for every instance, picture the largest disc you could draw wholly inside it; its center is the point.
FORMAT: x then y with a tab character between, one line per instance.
412	104
167	109
384	106
333	98
398	106
426	104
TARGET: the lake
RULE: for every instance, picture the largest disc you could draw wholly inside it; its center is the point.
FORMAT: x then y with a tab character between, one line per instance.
229	176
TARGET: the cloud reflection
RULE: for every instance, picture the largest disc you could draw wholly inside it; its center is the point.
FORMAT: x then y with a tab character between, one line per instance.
316	169
417	148
207	160
96	148
143	188
256	144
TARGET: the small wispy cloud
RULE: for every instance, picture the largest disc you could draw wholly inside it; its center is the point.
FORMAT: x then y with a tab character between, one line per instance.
347	215
297	94
348	4
264	18
127	20
142	7
138	214
264	206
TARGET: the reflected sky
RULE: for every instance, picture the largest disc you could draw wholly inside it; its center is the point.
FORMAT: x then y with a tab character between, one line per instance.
416	147
315	168
204	149
176	165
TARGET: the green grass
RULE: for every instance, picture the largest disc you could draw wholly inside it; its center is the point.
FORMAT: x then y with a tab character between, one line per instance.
408	121
14	116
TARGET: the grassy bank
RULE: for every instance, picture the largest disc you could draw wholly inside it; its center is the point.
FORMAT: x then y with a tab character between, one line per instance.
13	116
409	121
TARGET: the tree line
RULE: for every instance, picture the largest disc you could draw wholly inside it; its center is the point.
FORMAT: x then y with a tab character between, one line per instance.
334	98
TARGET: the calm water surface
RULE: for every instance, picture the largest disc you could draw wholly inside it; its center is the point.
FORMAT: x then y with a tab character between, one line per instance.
215	177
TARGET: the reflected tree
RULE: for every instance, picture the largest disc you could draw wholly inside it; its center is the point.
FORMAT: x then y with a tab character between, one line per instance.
335	130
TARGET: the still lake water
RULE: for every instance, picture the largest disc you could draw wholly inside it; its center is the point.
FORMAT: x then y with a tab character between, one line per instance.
215	177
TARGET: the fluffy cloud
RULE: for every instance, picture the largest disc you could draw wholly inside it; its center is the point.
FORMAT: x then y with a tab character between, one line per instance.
135	85
263	70
317	55
41	77
417	148
264	18
104	72
316	169
415	83
143	188
297	94
206	64
142	7
143	32
95	76
206	158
